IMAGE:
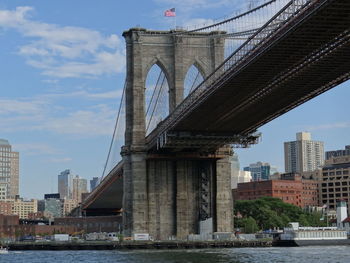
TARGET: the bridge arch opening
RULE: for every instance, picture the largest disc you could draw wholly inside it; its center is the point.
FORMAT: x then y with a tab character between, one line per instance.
193	78
156	96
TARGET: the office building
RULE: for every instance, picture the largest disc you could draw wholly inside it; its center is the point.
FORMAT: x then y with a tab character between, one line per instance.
290	188
3	191
288	191
259	171
55	196
335	181
303	155
240	177
68	206
5	208
94	183
23	208
41	205
65	184
9	171
79	187
337	153
53	207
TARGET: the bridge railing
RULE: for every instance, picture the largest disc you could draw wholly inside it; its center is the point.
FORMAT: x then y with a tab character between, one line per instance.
232	64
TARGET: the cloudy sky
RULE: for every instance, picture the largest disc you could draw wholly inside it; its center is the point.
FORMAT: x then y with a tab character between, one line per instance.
62	73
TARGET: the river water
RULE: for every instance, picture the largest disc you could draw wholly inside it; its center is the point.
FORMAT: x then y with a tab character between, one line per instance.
334	254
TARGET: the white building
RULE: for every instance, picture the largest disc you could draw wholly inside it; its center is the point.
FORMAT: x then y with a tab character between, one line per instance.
23	208
303	155
240	177
79	187
9	171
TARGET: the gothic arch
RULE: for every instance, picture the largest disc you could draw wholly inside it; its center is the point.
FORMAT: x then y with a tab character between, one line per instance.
201	66
156	96
194	76
161	64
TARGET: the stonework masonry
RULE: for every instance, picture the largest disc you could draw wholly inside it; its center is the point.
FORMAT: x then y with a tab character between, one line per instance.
164	197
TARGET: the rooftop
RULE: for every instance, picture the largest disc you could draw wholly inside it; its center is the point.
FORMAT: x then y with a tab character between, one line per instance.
4	142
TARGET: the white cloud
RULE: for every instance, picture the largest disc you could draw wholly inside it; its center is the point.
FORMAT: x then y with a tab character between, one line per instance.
328	126
83	122
35	149
42	113
197	22
65	51
90	122
190	5
60	160
23	107
114	94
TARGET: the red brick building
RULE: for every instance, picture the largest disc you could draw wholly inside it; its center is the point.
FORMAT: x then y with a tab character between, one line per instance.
11	228
289	188
5	208
310	193
93	223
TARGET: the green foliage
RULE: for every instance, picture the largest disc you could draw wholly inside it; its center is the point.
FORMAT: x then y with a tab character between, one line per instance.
248	224
120	237
269	213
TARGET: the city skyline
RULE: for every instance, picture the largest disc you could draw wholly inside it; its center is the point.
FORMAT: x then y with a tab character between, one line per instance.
63	76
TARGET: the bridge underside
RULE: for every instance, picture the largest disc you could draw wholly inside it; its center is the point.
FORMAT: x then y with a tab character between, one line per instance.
305	59
107	198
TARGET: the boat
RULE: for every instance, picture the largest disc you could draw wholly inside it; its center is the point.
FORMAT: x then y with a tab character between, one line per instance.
3	250
294	235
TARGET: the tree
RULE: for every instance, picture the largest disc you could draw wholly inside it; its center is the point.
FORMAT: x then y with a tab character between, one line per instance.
248	225
269	212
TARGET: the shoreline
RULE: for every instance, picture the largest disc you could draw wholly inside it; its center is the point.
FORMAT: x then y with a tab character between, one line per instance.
129	245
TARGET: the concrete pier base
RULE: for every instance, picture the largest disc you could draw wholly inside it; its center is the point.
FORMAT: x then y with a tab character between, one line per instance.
168	198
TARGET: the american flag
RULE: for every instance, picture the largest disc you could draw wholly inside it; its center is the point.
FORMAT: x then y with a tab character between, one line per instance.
170	12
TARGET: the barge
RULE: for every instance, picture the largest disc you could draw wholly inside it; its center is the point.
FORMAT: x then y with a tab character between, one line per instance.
294	235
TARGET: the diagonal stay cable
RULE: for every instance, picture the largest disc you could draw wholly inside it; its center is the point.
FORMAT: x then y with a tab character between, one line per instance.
155	105
194	83
115	129
154	91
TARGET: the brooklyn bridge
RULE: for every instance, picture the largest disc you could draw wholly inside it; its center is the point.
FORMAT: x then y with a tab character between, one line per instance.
216	86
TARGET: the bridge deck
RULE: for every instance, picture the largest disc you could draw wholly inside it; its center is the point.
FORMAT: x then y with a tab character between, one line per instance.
306	57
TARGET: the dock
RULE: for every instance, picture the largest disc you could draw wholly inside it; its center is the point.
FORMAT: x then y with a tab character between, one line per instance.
128	245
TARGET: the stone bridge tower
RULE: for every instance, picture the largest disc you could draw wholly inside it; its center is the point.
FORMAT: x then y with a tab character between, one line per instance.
169	194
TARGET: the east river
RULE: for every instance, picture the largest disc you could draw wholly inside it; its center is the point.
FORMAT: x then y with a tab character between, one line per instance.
336	254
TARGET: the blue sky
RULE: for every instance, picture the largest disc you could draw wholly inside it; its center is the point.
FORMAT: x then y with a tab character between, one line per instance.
62	71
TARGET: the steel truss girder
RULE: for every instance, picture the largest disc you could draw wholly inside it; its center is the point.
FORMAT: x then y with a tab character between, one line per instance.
208	141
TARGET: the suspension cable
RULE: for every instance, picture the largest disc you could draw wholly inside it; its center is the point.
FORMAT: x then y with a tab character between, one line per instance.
227	20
